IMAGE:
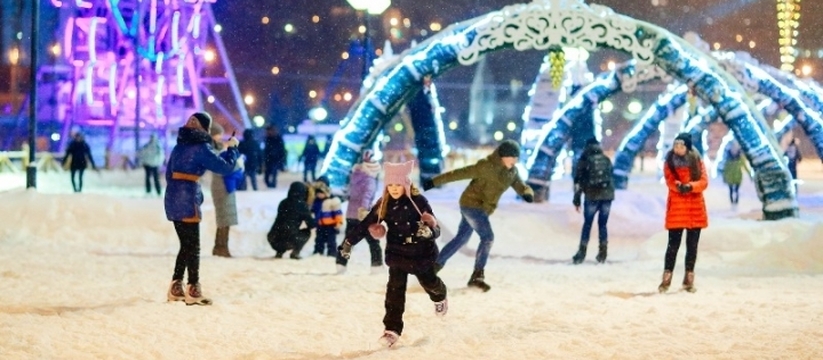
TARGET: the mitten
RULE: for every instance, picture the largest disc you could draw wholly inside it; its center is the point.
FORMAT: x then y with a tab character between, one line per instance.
427	184
377	231
684	188
529	198
429	220
345	249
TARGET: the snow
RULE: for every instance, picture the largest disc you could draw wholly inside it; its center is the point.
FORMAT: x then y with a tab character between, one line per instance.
84	276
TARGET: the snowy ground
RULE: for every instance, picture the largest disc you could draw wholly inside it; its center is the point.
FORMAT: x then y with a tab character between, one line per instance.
84	276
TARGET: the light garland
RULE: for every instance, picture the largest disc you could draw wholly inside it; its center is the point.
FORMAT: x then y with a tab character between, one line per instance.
557	59
788	18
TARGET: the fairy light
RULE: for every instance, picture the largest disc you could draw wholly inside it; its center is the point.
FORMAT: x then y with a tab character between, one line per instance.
788	19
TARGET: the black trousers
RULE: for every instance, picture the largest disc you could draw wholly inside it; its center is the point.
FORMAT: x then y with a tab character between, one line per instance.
374	246
675	237
188	258
152	174
734	193
77	185
396	294
271	175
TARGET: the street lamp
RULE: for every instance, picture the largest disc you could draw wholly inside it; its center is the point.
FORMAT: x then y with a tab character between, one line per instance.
368	7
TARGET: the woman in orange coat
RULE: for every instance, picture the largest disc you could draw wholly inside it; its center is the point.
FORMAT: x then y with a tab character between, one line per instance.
685	209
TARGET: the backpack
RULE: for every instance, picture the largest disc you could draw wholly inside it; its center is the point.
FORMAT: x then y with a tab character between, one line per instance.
600	172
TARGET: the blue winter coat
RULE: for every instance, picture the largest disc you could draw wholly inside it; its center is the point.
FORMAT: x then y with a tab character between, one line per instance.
189	160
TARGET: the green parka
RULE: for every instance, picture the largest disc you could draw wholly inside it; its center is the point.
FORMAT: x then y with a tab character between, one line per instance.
490	179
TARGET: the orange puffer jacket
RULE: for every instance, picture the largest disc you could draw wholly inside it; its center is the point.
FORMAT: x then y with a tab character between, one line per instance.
686	211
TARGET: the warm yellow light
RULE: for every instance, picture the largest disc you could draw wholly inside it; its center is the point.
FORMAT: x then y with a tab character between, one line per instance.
345	55
275	70
209	55
511	126
393	21
610	65
716	46
315	19
337	97
312	94
265	20
739	38
55	49
752	44
453	125
806	70
248	99
361	29
498	135
435	26
289	28
347	96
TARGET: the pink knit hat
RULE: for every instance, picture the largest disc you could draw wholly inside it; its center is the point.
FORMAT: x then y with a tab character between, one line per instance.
399	174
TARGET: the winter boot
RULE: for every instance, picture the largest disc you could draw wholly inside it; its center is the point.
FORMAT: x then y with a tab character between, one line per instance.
389	338
478	280
194	295
580	256
667	281
602	252
175	292
295	255
441	307
688	282
221	243
279	255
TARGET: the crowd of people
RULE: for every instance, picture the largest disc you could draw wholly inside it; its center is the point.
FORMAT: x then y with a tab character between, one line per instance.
398	211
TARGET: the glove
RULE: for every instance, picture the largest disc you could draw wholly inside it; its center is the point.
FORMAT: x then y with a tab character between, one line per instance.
345	249
427	184
233	142
684	188
529	198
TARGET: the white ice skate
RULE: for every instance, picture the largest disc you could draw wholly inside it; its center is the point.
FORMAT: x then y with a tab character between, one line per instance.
389	338
441	307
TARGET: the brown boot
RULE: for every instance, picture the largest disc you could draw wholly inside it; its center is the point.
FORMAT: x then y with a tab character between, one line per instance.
688	282
221	243
667	281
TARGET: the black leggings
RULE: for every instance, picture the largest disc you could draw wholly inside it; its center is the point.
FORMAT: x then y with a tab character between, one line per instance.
675	236
396	294
152	174
734	193
189	255
77	185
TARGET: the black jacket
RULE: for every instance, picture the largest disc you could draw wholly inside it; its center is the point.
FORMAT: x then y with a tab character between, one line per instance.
275	152
251	148
79	154
291	213
404	249
586	168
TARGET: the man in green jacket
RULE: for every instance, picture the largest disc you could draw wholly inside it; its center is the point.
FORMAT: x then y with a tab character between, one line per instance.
490	178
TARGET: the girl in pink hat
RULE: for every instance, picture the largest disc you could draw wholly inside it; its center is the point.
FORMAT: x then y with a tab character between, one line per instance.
403	216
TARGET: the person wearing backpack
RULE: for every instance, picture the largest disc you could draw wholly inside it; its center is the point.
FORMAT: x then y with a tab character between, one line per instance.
594	179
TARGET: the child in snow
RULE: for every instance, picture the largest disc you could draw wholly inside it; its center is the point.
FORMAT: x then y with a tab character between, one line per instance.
222	195
490	178
685	209
733	169
329	215
189	160
410	245
293	224
362	190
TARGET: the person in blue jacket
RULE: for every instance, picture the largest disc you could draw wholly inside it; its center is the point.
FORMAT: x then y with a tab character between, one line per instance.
189	160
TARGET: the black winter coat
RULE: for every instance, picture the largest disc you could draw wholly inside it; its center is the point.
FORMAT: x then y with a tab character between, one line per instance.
79	154
586	167
404	249
291	213
251	148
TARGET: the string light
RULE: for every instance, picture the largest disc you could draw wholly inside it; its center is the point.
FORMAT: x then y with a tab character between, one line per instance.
788	19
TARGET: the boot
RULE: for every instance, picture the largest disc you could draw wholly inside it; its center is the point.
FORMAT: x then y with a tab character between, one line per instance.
667	281
194	295
175	292
580	256
221	243
601	254
441	307
478	280
688	282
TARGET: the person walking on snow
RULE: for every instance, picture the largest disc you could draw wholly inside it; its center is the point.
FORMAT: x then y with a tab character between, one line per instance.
361	195
490	178
250	148
733	169
223	196
593	177
686	179
78	158
151	156
189	160
405	218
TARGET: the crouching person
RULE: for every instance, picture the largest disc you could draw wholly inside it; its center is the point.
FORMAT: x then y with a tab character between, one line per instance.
292	226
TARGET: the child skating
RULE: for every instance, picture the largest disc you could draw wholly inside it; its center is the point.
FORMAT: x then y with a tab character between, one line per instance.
405	218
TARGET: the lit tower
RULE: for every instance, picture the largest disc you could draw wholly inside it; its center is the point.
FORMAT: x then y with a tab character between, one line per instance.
173	45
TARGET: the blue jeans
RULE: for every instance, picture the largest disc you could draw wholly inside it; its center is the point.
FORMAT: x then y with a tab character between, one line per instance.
601	207
473	220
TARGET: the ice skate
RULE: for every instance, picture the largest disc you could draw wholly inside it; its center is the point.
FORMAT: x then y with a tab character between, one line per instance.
602	253
175	292
580	256
667	281
389	338
194	296
441	307
478	281
688	282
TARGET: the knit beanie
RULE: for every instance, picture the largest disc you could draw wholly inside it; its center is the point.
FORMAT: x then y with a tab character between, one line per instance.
508	148
204	119
400	174
686	139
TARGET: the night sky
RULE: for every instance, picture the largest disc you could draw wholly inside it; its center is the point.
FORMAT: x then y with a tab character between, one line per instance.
308	57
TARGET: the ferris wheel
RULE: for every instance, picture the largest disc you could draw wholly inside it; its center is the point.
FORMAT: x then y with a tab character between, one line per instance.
138	65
